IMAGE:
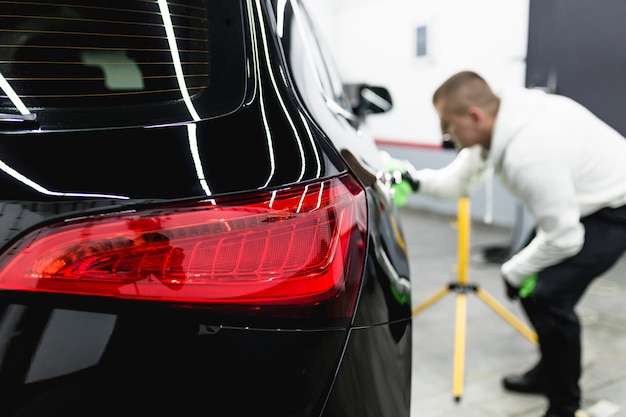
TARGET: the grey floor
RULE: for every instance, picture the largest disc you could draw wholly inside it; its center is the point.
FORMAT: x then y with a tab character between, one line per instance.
492	347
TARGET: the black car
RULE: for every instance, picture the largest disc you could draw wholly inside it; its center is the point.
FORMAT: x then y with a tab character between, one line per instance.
193	219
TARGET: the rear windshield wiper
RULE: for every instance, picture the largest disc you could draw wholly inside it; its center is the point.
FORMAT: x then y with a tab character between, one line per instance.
18	121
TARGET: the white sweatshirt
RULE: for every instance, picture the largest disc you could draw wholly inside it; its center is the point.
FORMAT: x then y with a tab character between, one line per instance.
556	158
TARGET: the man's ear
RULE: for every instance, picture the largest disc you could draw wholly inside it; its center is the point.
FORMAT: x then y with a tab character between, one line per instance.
476	113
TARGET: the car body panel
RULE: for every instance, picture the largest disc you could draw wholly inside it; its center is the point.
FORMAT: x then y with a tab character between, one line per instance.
73	355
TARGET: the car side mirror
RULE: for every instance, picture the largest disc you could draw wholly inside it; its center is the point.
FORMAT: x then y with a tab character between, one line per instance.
368	99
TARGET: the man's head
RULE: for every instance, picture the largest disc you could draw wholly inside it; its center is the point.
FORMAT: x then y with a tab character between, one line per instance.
467	109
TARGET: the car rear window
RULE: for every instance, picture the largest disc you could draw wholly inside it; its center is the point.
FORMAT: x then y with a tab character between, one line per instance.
131	57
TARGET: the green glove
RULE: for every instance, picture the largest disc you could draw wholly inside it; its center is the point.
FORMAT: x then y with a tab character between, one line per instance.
527	286
403	184
401	192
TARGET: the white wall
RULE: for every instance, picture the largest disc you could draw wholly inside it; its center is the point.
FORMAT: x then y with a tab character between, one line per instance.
374	41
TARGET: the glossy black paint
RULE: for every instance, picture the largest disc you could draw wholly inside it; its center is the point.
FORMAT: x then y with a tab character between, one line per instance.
143	163
76	356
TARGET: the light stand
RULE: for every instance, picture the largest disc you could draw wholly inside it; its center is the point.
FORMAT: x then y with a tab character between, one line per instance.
461	287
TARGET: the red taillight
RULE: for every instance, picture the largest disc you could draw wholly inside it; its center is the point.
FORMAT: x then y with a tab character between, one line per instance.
300	246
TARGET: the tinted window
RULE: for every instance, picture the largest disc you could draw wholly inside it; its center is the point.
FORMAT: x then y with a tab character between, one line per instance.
311	65
92	55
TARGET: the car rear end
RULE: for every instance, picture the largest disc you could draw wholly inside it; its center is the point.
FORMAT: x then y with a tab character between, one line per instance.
179	237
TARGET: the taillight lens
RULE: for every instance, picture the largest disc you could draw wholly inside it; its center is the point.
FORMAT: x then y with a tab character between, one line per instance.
300	246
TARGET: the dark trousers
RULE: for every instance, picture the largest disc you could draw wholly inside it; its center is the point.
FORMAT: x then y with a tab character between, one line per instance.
550	308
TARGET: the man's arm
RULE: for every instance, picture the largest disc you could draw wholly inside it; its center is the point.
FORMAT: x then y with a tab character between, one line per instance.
547	190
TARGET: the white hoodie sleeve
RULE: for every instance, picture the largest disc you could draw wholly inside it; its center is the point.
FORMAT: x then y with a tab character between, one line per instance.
457	179
549	193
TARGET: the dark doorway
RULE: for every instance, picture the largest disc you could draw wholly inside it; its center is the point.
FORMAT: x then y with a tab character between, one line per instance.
577	48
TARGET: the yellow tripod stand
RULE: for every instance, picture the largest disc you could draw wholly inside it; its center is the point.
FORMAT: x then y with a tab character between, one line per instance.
462	288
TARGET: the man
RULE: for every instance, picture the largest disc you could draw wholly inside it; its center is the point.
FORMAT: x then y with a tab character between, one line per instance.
569	169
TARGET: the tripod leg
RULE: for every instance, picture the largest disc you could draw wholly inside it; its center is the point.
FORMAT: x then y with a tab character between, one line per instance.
430	301
506	315
459	346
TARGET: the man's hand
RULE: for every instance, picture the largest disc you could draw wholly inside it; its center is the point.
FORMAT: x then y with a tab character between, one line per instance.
528	286
403	179
523	291
400	191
